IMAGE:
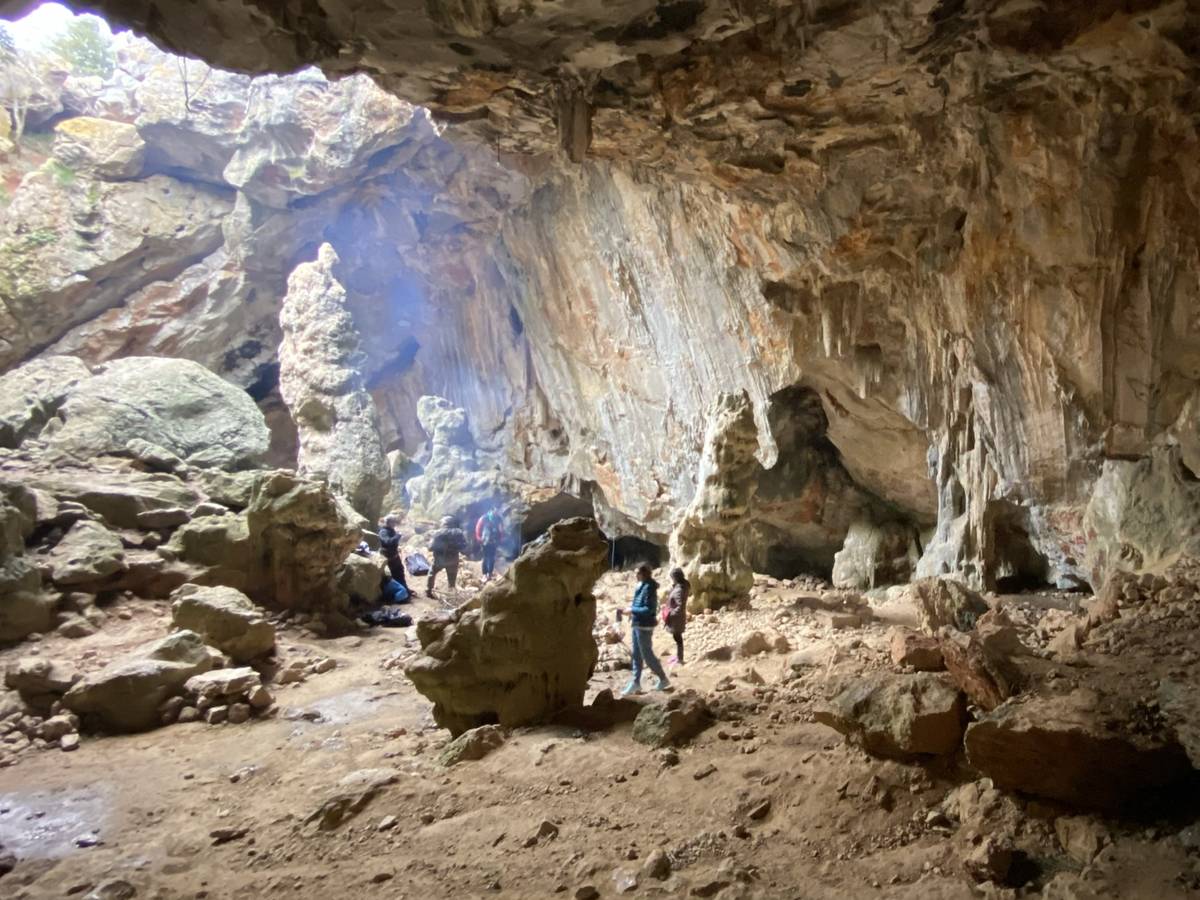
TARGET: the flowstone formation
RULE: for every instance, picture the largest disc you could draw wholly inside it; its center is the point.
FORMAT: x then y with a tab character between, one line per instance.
455	480
321	380
707	542
522	650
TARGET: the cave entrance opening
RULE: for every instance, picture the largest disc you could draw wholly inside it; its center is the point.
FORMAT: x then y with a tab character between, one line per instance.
785	561
628	551
1019	567
625	551
540	516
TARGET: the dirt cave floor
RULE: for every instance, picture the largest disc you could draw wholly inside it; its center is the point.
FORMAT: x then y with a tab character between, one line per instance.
764	804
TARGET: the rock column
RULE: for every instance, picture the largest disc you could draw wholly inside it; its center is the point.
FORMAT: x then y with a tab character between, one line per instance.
706	541
321	380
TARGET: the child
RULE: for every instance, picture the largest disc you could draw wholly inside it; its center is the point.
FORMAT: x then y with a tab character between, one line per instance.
675	617
642	615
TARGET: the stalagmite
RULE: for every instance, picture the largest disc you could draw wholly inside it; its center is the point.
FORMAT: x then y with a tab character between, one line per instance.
320	376
707	541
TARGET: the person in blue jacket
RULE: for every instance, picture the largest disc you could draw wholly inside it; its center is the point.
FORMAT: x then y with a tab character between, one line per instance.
643	615
391	590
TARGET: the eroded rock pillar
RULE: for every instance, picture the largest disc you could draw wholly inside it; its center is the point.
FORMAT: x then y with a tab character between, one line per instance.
522	650
707	541
320	377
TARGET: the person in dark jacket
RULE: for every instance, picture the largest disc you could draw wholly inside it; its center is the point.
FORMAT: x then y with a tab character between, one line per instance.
389	546
675	617
448	544
643	615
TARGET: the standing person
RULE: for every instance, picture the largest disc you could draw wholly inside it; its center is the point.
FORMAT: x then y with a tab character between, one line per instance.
448	544
642	615
675	616
389	546
489	531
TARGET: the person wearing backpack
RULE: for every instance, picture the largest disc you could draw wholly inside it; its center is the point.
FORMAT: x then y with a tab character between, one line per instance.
448	544
642	615
489	531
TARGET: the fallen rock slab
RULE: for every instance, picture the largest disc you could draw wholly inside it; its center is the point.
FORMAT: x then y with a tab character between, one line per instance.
221	686
88	553
125	696
1067	748
351	796
226	618
33	676
897	716
943	602
985	675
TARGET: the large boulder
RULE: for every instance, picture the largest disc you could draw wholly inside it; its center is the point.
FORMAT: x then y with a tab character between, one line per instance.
30	395
917	651
101	147
125	695
983	663
225	618
89	553
897	716
24	607
299	533
522	650
358	578
675	722
284	552
1075	749
175	404
220	544
321	380
706	540
944	602
40	682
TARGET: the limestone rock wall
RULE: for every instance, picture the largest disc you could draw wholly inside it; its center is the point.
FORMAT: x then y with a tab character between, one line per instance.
176	199
968	228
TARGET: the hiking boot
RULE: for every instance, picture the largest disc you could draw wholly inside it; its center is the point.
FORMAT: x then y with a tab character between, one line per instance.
662	685
632	688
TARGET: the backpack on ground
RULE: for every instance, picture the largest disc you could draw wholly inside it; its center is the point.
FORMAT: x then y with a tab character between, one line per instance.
417	564
388	617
